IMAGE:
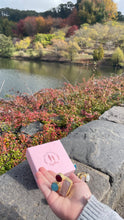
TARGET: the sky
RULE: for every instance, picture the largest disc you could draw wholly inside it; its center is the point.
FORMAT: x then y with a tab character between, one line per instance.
43	5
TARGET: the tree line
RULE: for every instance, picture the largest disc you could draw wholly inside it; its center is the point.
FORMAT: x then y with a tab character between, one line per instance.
28	23
62	11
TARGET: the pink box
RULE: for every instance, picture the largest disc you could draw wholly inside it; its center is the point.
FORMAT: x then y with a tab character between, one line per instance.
51	156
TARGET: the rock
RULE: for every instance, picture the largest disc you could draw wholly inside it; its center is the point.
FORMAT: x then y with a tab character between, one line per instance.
8	213
99	182
100	144
115	114
21	199
20	196
120	207
32	128
96	144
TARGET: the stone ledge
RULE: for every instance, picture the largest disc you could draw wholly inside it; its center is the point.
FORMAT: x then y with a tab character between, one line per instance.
115	114
20	196
21	199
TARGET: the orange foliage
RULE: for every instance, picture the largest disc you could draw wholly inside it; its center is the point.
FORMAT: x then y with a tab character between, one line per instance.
49	23
40	24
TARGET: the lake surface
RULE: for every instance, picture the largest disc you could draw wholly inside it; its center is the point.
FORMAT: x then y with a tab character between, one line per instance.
30	77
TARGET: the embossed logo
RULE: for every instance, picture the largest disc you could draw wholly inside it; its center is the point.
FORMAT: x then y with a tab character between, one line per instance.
51	158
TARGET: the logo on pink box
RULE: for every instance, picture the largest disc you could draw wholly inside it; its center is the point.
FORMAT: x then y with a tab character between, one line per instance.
51	158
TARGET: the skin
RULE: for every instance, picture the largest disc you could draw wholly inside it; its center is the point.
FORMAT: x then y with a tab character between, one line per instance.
66	208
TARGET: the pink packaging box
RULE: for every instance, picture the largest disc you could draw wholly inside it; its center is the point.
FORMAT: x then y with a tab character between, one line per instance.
51	156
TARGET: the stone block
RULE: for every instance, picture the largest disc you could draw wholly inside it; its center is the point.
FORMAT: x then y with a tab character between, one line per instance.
99	182
20	198
115	114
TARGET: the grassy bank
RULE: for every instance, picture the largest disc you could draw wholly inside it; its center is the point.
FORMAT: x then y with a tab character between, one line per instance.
59	110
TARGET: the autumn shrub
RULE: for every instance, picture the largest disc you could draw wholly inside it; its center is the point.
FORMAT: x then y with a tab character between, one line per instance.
11	152
59	110
98	53
117	57
72	49
23	44
44	39
71	30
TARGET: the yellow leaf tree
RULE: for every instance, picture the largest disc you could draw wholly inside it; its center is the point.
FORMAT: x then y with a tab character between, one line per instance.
93	11
111	9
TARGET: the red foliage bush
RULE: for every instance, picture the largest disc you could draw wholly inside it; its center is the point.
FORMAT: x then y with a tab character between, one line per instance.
72	30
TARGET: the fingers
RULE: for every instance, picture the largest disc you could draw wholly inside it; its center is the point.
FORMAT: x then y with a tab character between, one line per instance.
44	181
74	178
45	190
49	175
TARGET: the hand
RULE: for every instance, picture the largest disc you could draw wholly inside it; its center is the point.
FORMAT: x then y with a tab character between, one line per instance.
66	208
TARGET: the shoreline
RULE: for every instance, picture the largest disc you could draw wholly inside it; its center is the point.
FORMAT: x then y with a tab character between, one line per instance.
106	61
82	62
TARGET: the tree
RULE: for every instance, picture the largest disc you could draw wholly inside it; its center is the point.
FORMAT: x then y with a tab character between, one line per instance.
6	46
20	29
110	9
30	26
48	24
6	26
40	22
64	10
120	17
73	18
89	10
58	23
92	11
16	15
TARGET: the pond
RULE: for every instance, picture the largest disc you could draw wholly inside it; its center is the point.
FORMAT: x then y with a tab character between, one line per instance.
30	77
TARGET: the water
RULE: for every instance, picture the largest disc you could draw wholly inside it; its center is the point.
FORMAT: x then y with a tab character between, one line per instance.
30	77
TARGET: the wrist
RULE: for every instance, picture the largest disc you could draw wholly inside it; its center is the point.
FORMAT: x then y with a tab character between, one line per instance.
82	205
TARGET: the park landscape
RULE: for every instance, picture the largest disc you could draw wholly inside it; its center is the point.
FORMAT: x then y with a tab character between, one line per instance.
88	33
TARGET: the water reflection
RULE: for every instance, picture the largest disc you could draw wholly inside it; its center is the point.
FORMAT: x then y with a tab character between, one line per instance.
29	77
